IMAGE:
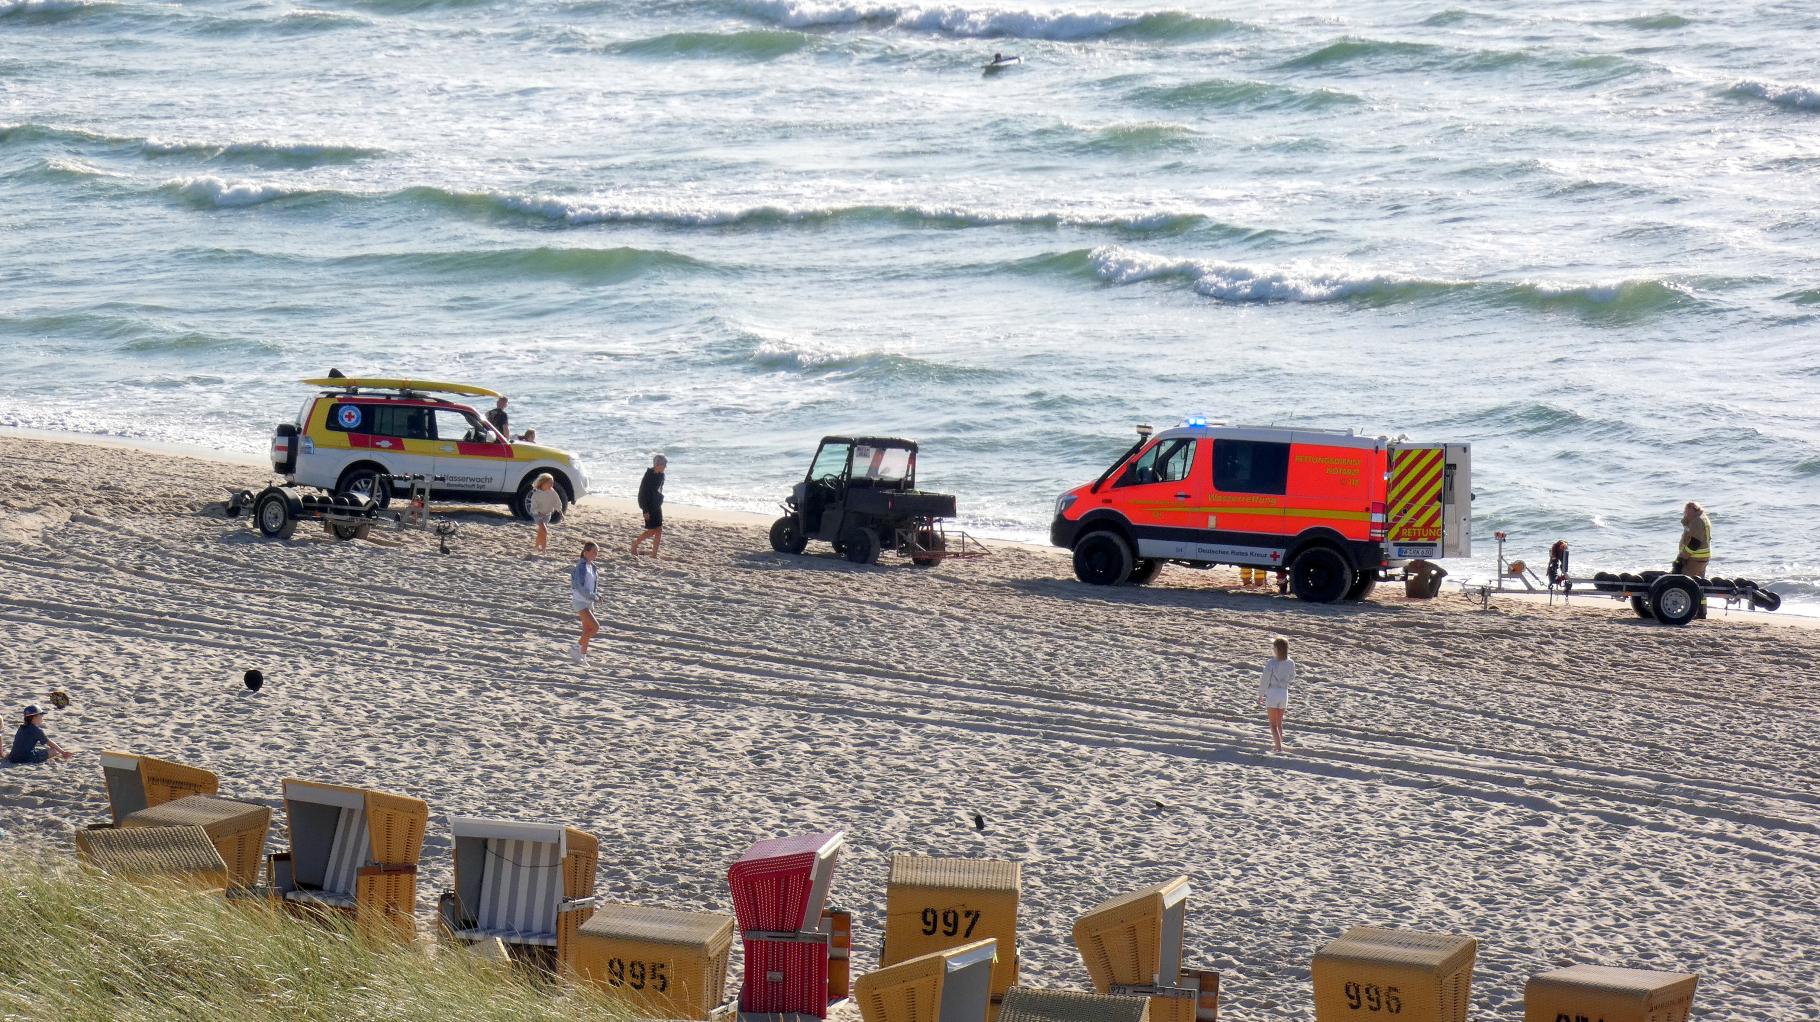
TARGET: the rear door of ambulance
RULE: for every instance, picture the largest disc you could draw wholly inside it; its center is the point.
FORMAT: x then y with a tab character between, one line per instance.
1430	501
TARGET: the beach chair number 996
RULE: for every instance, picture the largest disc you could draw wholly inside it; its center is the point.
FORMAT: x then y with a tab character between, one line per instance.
948	922
1371	997
638	975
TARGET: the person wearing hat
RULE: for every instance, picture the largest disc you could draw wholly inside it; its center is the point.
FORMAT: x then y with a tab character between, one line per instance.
30	736
651	502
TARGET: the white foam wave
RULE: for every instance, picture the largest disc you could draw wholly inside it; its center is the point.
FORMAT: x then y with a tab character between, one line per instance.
1230	282
48	6
225	194
1799	97
948	19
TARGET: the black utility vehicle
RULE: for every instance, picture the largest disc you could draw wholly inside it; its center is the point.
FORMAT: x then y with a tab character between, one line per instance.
860	495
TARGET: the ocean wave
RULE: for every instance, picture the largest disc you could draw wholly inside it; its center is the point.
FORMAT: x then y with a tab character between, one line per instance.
258	153
1138	137
219	193
1540	418
1151	26
53	10
1354	50
752	44
1226	94
1793	97
1232	282
1587	69
1650	22
764	352
590	265
297	21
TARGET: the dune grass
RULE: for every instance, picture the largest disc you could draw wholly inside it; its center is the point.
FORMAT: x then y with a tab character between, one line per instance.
76	946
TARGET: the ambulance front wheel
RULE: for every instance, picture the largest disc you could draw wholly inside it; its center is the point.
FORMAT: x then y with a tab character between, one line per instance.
1102	559
1320	575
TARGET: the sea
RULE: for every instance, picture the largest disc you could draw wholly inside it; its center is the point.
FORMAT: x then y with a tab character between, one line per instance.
1582	236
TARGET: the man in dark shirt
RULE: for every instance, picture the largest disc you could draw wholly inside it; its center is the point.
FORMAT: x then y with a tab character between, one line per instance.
30	736
651	502
500	420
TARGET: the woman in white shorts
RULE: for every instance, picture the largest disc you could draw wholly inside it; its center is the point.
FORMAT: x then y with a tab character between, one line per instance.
584	584
1273	689
545	503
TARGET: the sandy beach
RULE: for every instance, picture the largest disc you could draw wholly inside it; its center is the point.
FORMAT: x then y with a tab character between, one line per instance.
1567	785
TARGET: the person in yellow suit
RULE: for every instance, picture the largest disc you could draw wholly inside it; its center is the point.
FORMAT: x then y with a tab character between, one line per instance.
1696	541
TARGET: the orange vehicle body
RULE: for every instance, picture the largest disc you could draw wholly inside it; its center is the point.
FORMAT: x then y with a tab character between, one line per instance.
1263	497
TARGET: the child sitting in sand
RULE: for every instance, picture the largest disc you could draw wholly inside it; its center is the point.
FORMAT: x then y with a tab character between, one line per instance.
1273	689
545	504
30	736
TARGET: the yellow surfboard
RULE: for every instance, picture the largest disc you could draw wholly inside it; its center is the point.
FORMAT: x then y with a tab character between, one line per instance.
378	383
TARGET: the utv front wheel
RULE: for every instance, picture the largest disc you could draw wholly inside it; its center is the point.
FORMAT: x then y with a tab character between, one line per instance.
787	536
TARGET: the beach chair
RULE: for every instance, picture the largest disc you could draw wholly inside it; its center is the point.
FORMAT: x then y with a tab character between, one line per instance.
353	852
951	985
1371	972
531	885
237	830
142	782
936	904
664	963
1596	993
796	950
181	856
1023	1004
1132	944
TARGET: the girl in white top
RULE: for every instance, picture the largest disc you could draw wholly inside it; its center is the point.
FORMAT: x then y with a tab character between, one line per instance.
1273	689
545	502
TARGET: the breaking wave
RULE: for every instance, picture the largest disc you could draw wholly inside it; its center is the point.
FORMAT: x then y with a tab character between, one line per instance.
220	193
1153	26
1233	282
1793	97
760	351
53	10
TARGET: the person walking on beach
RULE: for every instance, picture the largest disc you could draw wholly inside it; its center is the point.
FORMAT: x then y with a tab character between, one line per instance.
30	736
651	502
1273	689
500	420
545	503
584	589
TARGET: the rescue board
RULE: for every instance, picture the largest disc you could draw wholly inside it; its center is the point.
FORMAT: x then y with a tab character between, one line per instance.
1001	63
389	383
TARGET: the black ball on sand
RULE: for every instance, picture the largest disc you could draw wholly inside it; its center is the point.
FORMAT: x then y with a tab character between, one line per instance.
254	680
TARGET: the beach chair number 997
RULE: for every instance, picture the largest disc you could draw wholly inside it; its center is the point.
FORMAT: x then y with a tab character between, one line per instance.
638	975
948	922
1370	997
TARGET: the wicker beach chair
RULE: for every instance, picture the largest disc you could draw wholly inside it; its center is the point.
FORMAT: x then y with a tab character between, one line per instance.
354	851
664	963
1023	1004
531	885
181	856
937	904
951	985
143	782
796	949
1612	995
1132	945
1370	970
237	829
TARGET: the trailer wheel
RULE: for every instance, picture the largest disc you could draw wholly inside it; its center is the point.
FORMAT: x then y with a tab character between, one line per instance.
1320	575
861	546
1640	604
367	481
1102	559
272	513
1144	571
787	536
1675	600
1363	586
1765	600
345	532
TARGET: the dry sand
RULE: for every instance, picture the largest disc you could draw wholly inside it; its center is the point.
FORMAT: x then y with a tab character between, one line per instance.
1566	785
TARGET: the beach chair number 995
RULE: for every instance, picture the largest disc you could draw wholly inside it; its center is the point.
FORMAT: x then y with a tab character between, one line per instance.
638	975
1371	997
949	922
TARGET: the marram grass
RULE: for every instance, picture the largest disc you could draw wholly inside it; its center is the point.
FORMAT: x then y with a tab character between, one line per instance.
76	946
